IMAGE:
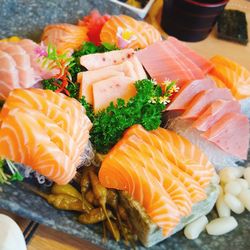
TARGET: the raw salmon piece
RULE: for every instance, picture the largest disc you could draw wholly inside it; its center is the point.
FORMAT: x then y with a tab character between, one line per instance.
120	172
214	112
187	164
100	60
133	34
188	150
65	36
196	192
204	64
109	90
201	101
233	75
172	185
41	154
188	92
231	134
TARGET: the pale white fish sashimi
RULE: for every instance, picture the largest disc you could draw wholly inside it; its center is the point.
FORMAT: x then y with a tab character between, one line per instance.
100	60
109	90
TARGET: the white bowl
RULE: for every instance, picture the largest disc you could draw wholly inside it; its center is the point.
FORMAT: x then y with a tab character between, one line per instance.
140	12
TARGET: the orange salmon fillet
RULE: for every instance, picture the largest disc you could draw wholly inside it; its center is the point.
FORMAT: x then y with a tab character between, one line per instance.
234	76
144	33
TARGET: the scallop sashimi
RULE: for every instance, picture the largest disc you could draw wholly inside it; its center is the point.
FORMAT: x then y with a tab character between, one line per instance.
126	32
66	37
51	136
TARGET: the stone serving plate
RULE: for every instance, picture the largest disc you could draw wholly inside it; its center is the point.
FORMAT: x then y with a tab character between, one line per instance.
27	18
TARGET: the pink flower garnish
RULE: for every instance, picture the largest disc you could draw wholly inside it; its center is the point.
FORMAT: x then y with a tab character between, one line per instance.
41	51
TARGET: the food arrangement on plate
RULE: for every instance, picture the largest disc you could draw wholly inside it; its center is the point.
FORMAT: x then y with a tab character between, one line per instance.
139	134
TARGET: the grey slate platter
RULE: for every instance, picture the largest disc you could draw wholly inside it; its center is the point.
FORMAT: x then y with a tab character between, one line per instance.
27	18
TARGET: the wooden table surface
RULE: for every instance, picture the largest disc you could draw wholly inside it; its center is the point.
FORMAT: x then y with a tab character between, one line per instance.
49	239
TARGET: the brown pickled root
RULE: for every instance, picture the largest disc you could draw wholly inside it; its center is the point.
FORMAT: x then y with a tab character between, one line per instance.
122	212
100	193
85	181
104	238
122	229
114	230
96	215
90	197
112	198
65	202
66	189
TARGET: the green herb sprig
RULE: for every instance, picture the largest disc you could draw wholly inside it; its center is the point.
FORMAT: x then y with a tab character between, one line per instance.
13	173
145	108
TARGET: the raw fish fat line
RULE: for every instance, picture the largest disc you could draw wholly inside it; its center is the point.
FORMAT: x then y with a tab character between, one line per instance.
138	165
49	145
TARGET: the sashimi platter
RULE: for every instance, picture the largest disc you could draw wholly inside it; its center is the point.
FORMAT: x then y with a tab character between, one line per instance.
112	134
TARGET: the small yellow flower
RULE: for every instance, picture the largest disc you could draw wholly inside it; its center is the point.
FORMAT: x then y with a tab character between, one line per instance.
164	99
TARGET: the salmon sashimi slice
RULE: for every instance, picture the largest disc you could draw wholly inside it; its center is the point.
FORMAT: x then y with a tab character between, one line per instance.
100	60
64	36
188	92
231	134
71	122
126	32
214	112
233	75
204	64
172	185
109	90
142	186
201	101
40	153
185	147
195	190
196	170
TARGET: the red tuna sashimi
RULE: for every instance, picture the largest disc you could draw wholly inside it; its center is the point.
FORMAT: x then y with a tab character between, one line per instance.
214	112
100	60
223	134
162	62
203	99
201	62
187	93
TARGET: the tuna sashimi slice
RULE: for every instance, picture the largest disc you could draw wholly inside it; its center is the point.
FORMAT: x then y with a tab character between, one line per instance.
187	93
214	112
120	172
231	134
163	62
200	102
100	60
204	64
109	90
